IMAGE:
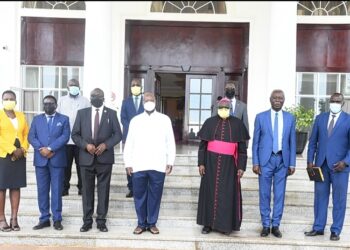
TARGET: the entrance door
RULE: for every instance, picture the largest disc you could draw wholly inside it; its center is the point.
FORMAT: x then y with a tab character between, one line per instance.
201	95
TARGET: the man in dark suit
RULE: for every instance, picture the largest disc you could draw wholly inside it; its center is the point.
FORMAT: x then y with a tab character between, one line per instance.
96	131
131	107
48	135
238	108
274	158
329	148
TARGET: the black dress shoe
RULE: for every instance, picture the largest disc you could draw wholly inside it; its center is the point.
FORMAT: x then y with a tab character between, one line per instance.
334	236
65	193
276	232
41	225
129	194
85	228
57	225
265	232
313	233
206	230
102	228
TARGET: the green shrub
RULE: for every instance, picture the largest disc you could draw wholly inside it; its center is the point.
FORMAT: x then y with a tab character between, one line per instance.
304	117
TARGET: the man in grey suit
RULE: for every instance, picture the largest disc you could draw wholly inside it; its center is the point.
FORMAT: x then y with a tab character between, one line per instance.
96	131
238	108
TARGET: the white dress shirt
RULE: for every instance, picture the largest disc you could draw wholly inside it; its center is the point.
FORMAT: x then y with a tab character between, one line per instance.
150	144
335	118
280	126
93	113
233	104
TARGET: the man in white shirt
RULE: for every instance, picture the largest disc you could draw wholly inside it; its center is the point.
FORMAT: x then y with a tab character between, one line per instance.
69	106
149	154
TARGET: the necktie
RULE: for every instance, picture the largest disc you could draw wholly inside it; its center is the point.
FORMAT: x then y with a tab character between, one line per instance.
275	134
96	124
136	103
331	125
49	123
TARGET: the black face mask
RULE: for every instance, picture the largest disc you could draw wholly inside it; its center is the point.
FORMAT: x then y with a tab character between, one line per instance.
230	93
96	102
50	108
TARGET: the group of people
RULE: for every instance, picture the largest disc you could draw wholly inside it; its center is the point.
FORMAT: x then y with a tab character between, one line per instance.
87	131
222	159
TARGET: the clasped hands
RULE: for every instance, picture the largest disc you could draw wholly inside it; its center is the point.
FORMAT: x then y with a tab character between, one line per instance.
96	150
45	152
201	170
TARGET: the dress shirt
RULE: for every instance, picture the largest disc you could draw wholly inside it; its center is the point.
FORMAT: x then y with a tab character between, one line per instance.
335	118
280	126
69	106
150	144
48	117
233	104
93	113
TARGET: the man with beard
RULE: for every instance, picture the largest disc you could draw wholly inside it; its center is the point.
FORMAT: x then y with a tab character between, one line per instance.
96	131
48	135
222	160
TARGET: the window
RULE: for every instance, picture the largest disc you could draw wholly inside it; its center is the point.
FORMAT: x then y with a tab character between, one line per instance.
315	89
194	7
39	81
59	5
323	8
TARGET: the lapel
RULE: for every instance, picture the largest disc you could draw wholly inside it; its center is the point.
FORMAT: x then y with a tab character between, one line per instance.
339	121
324	124
104	117
236	108
285	117
43	124
7	121
269	123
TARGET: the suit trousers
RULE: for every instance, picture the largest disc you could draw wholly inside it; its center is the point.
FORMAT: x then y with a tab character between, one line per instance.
72	153
49	177
273	173
339	182
103	174
148	190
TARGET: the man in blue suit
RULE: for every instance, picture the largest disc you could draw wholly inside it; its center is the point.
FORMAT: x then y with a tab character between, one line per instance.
48	135
329	148
274	156
131	107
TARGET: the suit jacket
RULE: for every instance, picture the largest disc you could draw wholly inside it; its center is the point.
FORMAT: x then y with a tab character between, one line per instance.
57	139
334	148
8	133
128	111
109	133
241	113
263	139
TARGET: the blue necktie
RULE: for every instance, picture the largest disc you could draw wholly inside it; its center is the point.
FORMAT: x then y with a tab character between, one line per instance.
275	135
49	123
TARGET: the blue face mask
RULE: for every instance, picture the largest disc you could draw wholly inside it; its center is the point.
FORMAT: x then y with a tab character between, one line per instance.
74	90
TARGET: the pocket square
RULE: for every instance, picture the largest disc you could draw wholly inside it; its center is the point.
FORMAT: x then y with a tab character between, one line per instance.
59	124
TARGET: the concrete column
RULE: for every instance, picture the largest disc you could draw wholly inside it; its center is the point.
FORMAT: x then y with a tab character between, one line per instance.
282	49
98	48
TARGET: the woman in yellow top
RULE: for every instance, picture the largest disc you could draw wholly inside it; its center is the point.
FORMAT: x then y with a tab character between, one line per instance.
13	147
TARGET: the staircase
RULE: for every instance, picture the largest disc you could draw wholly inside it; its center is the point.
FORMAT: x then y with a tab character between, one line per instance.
177	221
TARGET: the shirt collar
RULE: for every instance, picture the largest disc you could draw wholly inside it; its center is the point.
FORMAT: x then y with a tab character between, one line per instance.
278	112
47	116
336	115
99	109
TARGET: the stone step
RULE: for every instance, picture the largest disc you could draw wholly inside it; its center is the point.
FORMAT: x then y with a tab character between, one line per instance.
174	238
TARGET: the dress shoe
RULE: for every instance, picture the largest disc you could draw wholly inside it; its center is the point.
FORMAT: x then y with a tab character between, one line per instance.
102	228
41	225
276	232
130	194
334	236
57	225
85	228
65	193
206	230
313	233
265	232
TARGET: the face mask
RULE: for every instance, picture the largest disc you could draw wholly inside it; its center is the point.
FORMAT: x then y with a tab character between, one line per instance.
335	107
136	90
49	108
96	102
9	105
224	113
74	90
230	93
149	106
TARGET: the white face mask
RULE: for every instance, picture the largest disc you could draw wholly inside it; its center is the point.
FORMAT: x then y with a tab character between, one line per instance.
149	106
335	107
